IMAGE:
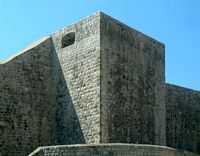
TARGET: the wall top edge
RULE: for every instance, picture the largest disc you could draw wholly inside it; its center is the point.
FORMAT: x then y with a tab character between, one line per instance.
29	47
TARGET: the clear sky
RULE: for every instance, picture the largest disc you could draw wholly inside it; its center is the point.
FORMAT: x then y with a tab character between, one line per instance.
173	22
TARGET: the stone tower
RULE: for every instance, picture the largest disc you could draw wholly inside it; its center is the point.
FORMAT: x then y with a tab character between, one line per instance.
112	72
98	82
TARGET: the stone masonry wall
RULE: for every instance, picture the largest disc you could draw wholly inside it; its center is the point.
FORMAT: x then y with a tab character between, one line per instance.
132	80
25	101
77	98
109	150
183	118
96	81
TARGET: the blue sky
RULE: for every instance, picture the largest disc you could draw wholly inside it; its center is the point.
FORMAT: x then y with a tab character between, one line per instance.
173	22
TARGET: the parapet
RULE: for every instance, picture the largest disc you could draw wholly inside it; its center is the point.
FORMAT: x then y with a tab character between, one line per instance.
114	149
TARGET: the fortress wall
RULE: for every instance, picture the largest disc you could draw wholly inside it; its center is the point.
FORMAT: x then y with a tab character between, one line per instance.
25	101
77	67
109	150
183	118
132	85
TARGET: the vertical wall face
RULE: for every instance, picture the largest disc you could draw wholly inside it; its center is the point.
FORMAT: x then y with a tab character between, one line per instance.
25	101
183	118
77	79
132	93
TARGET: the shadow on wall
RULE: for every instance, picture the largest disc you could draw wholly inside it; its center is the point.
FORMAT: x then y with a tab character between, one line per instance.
67	129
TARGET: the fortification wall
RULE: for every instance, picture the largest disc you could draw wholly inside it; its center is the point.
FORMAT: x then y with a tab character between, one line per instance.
96	81
77	79
25	100
132	85
109	150
183	118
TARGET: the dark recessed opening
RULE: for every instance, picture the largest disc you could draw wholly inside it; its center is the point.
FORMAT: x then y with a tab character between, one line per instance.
68	40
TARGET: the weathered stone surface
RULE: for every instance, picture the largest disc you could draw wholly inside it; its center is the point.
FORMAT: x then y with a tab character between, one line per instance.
26	102
109	150
183	118
96	81
132	92
77	83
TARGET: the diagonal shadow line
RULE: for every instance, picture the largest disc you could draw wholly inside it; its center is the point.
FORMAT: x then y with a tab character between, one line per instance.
66	126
